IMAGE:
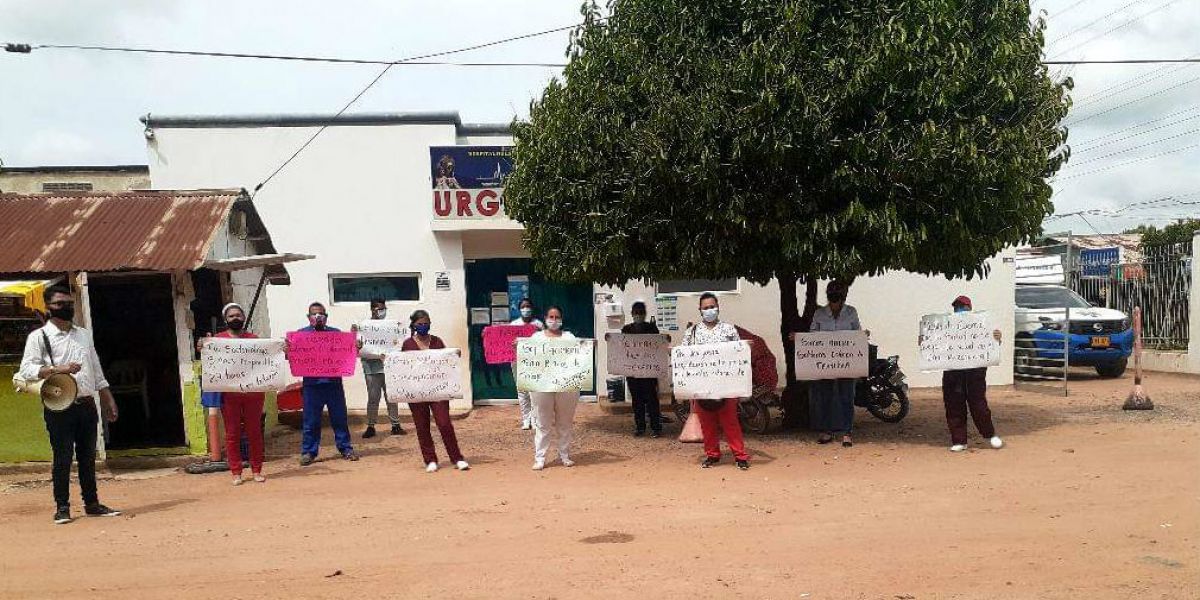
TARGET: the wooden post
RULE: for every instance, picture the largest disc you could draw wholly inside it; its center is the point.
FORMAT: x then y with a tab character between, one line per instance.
1138	399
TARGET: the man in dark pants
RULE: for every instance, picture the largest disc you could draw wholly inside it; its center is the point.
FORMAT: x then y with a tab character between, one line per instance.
644	390
964	390
60	347
322	393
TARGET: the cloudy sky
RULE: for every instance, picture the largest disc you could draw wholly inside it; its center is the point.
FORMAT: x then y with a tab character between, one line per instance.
1135	130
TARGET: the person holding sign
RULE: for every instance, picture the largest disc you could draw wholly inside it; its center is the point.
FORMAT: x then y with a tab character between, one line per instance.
643	389
439	409
525	400
320	393
242	409
555	411
966	389
831	401
372	367
719	414
62	348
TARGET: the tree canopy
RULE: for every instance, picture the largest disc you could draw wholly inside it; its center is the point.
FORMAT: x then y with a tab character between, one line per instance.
1178	232
773	138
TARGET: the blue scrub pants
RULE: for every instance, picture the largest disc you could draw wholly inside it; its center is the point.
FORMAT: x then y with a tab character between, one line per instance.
318	396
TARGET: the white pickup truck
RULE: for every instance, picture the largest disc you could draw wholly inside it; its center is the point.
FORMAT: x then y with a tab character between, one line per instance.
1097	337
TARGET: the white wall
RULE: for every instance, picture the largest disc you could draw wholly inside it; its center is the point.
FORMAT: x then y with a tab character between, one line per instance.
358	198
890	306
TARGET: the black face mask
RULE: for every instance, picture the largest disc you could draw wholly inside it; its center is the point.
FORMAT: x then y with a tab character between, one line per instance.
836	296
236	325
65	313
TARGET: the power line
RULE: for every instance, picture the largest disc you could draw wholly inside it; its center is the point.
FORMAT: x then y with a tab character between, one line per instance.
27	48
1123	61
1131	102
383	72
1140	125
1130	162
1090	23
1118	27
1138	147
1086	149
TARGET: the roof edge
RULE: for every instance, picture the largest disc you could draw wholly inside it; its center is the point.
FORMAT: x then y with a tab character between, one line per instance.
76	168
324	120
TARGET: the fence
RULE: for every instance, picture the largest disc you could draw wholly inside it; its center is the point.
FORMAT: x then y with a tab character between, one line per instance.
1041	350
1160	283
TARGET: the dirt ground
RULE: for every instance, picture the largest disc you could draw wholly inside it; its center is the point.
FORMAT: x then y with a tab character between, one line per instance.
1086	501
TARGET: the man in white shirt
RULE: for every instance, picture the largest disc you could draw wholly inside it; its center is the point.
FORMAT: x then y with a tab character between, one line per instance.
61	347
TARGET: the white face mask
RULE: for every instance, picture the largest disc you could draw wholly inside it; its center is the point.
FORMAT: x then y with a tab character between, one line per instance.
553	324
379	313
526	313
710	314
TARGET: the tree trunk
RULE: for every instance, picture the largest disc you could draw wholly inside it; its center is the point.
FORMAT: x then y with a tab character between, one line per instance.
795	395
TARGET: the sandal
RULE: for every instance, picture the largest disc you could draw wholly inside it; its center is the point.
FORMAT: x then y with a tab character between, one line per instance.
847	442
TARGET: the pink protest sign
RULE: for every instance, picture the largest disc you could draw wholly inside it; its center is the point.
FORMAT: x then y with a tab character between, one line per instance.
500	342
322	353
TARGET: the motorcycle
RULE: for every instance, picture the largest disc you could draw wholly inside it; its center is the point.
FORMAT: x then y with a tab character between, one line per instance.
884	392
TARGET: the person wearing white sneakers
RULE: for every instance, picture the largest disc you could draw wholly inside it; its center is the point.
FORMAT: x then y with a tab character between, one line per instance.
966	390
440	409
555	410
523	398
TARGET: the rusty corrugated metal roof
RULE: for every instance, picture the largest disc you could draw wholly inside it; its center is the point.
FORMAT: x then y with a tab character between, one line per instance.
120	231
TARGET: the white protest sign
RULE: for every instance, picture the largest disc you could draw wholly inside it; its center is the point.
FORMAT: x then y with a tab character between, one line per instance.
423	376
381	335
639	355
831	355
957	341
554	365
712	371
242	365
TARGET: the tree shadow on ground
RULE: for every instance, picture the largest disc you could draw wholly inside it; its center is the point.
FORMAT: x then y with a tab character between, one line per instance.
164	506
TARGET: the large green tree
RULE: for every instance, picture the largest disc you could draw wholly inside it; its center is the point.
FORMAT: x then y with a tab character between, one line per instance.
789	140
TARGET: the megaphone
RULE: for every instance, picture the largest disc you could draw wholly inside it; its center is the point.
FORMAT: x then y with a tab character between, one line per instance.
56	391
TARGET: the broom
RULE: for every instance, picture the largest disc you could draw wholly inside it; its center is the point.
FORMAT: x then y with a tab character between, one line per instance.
1138	399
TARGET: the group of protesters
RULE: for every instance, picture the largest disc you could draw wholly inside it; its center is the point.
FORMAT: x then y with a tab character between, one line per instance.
62	347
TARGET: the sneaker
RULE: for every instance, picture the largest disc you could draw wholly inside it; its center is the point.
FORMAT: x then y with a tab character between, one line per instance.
709	462
997	443
526	425
369	433
566	462
462	465
350	455
307	459
655	434
958	447
743	465
397	430
431	467
538	465
100	510
639	433
258	478
62	516
237	480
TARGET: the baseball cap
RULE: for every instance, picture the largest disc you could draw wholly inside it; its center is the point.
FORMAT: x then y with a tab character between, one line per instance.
961	301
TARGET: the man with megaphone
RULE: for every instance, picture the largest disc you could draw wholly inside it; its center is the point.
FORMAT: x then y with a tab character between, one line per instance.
63	356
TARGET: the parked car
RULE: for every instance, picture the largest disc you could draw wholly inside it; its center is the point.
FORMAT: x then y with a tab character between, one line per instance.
1098	337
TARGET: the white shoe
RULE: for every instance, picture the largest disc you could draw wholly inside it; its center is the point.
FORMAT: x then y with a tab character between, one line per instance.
997	443
237	480
958	447
431	468
538	465
462	465
566	462
526	425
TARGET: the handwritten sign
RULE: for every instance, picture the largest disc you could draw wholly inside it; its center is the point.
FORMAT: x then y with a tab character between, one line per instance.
712	371
957	341
242	365
639	355
831	355
499	347
554	365
381	335
322	353
423	376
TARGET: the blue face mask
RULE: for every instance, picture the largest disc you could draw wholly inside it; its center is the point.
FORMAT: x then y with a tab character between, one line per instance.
422	329
961	309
